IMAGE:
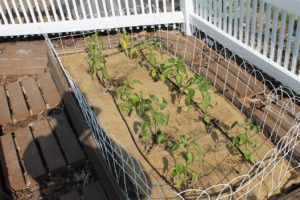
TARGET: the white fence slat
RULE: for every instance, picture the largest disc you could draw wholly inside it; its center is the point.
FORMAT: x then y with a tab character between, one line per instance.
173	5
253	24
267	31
24	11
96	3
68	9
37	7
29	4
105	8
46	11
241	26
274	34
260	25
225	15
112	7
120	8
205	5
127	8
165	5
220	14
289	41
75	9
9	12
296	48
53	10
62	16
142	6
3	15
215	12
82	6
247	31
134	7
236	13
91	13
210	11
17	11
281	37
150	6
230	18
156	6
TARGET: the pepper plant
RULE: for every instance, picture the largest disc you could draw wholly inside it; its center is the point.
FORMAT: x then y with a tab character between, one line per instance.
127	45
243	138
183	174
97	62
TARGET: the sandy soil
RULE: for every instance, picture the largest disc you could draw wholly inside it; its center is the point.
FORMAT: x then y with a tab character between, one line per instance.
221	162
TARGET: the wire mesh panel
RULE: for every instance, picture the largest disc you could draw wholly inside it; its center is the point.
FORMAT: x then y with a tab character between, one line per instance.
275	109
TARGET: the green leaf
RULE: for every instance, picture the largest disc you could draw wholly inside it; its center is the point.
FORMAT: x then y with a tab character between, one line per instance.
206	100
135	99
159	118
182	138
179	183
207	119
197	148
236	141
154	73
166	73
249	156
195	176
254	128
153	98
182	69
190	157
243	138
171	60
178	79
163	104
180	169
161	138
190	95
174	148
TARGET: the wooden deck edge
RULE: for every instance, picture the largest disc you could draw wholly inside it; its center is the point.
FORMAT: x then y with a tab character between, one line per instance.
103	174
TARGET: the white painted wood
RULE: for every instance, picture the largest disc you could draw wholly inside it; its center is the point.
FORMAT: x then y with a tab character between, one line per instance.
187	9
46	10
105	23
260	25
120	8
241	26
91	14
225	15
134	7
53	10
210	11
173	5
17	11
289	41
112	7
68	9
165	5
267	31
105	8
82	6
75	9
62	16
3	15
274	33
281	37
96	2
236	13
215	5
253	25
291	6
247	31
12	20
220	14
156	6
296	48
31	11
127	7
230	18
270	67
37	7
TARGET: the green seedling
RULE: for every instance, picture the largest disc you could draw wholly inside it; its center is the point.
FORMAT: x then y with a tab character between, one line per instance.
127	45
97	62
183	174
124	92
243	138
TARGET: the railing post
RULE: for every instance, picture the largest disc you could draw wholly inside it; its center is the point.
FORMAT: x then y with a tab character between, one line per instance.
186	6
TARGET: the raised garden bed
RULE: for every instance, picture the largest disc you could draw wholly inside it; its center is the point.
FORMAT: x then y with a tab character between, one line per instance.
171	120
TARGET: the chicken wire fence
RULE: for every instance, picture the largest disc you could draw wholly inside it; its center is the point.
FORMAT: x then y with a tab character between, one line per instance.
277	101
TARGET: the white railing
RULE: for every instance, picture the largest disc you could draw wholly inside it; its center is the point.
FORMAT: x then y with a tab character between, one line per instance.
265	32
31	17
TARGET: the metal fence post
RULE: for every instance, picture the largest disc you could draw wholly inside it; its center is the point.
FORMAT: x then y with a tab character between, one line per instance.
186	6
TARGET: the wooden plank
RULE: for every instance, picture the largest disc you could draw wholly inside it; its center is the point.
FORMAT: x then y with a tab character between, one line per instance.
50	149
17	101
10	164
67	139
74	195
29	153
5	117
34	97
85	136
94	191
49	90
